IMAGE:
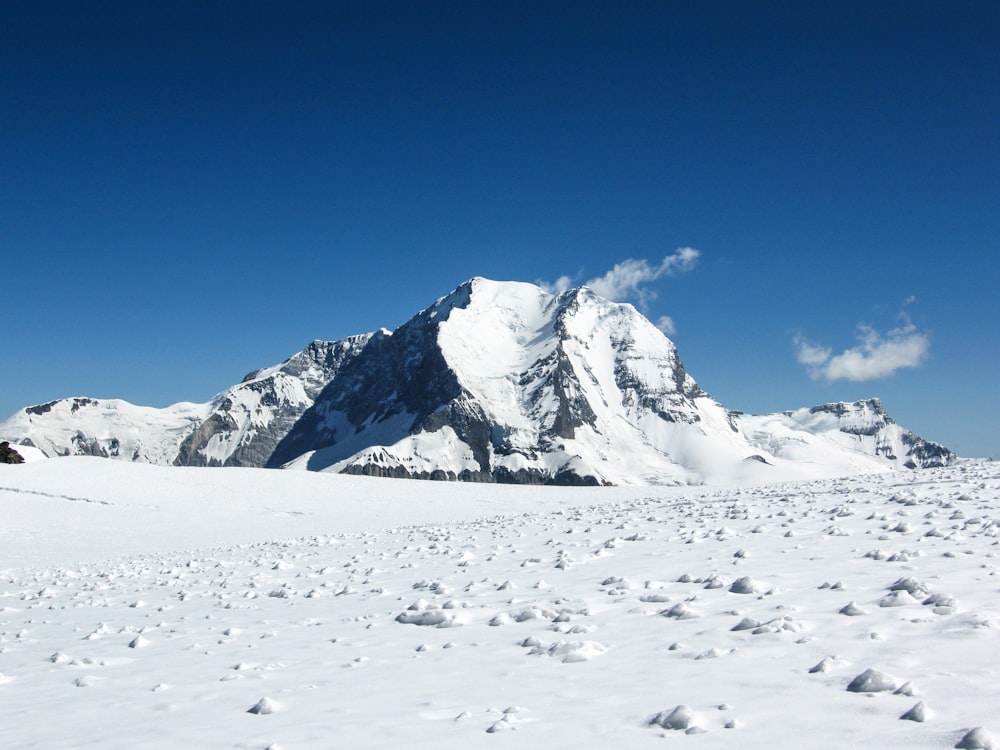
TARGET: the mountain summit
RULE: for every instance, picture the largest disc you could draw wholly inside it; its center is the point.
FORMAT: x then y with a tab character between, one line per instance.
495	382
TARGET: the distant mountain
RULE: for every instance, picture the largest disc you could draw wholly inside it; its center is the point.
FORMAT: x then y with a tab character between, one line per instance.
496	382
110	428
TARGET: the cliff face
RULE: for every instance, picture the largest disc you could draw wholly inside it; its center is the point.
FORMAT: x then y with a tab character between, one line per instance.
247	421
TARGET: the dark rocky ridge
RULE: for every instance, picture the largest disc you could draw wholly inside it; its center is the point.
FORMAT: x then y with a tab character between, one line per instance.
8	455
313	367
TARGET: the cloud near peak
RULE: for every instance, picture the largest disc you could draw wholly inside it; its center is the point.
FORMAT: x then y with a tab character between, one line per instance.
628	279
666	324
875	355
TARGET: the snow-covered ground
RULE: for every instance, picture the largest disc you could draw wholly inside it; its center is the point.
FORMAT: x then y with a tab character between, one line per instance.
153	607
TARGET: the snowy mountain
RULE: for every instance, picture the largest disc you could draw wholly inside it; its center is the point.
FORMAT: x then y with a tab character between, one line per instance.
496	382
862	426
110	428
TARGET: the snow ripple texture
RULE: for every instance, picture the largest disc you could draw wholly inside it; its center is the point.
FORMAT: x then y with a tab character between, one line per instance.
585	622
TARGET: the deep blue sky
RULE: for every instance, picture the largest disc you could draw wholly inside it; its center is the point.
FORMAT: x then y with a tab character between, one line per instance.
191	190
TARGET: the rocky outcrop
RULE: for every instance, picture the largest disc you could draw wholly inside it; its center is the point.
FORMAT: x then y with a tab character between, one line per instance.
249	420
869	419
8	455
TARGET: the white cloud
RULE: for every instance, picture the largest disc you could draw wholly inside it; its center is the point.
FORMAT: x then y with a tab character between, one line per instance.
666	324
875	356
561	285
628	279
810	354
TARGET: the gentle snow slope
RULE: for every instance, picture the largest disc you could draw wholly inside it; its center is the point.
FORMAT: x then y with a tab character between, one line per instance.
254	609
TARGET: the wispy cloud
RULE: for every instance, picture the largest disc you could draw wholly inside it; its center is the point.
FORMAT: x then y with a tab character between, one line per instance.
630	278
666	324
876	355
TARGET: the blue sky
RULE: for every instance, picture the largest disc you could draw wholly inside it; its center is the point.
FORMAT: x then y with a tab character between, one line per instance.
192	190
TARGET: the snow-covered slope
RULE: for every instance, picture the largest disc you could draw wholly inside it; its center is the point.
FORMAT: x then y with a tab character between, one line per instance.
248	420
862	428
505	382
239	427
189	608
495	382
522	386
110	428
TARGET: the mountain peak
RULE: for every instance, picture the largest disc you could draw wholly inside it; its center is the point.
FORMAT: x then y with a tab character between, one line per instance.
497	381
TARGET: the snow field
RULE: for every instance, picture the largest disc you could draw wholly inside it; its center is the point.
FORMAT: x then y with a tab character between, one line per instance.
713	618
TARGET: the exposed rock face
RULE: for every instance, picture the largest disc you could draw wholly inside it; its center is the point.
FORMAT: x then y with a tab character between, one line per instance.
8	455
496	382
868	419
524	385
247	421
863	426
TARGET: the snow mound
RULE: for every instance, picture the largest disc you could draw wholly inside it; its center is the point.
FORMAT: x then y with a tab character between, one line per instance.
679	718
263	707
917	713
976	739
873	681
747	585
572	652
428	618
